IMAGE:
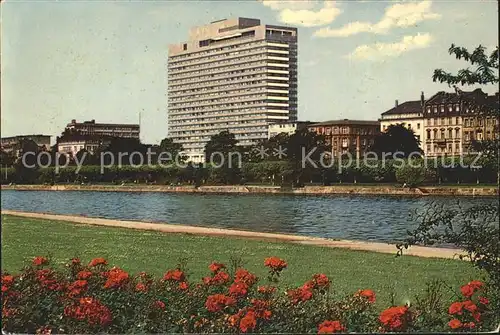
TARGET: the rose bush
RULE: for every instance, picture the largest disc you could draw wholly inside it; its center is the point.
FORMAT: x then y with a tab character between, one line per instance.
99	298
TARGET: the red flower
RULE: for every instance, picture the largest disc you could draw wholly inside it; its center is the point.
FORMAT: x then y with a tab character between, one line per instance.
455	324
299	295
467	290
275	264
330	327
266	289
243	276
470	306
84	274
98	261
174	275
395	318
216	267
7	281
217	302
39	260
261	309
77	287
309	285
469	325
471	288
368	294
159	304
183	286
321	281
455	308
116	277
220	278
476	316
484	300
238	290
89	309
140	287
476	284
248	322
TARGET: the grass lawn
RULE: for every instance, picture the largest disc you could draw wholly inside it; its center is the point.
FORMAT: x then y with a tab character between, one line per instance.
155	252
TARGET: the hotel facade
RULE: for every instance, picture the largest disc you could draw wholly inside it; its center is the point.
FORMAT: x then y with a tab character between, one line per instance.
237	75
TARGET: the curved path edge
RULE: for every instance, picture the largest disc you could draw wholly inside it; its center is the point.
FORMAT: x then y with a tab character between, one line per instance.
297	239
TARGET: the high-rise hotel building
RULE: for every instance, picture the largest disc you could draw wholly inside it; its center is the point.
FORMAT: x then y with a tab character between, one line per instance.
233	74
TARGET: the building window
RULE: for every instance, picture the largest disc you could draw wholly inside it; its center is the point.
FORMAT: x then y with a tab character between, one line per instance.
457	133
428	134
450	133
450	108
457	107
442	108
457	147
479	136
184	46
345	142
442	135
435	109
428	147
418	125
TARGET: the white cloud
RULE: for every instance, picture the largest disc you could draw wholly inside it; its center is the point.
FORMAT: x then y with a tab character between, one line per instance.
304	13
397	15
383	50
286	4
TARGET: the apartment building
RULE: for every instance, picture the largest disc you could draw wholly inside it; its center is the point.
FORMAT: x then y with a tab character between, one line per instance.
286	127
71	144
410	114
453	121
233	74
348	136
103	129
13	144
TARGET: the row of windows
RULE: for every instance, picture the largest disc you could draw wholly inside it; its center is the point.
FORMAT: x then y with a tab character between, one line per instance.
443	121
234	75
197	55
442	134
254	111
344	130
232	57
195	139
226	106
442	108
271	98
219	94
211	130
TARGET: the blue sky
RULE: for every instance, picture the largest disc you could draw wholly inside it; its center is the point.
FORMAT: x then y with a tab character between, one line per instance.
107	60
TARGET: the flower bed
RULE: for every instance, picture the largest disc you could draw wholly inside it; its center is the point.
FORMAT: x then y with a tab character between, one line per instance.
98	298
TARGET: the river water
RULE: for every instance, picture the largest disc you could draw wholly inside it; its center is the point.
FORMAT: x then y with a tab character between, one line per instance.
375	218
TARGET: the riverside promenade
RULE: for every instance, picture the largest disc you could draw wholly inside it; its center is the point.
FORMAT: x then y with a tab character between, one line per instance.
479	191
419	251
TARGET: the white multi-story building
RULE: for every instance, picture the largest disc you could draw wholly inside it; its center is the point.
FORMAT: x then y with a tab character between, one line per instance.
410	114
237	75
286	127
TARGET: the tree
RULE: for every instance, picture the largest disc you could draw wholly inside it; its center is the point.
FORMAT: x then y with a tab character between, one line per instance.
7	159
223	153
302	148
175	150
474	229
396	138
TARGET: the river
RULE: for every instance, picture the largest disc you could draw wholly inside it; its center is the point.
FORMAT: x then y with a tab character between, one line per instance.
374	218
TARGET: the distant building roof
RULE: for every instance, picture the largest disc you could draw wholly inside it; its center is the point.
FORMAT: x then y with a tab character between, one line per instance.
408	107
347	122
452	97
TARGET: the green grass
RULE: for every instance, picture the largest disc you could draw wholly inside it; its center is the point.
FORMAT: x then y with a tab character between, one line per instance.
156	252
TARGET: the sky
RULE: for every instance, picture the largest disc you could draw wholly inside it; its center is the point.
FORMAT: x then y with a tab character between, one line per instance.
106	60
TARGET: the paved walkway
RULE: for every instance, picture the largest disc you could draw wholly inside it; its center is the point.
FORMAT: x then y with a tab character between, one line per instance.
174	228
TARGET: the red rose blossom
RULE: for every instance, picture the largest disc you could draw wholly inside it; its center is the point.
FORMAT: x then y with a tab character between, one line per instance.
216	267
248	322
39	260
217	302
330	327
368	294
275	264
98	261
455	324
174	275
